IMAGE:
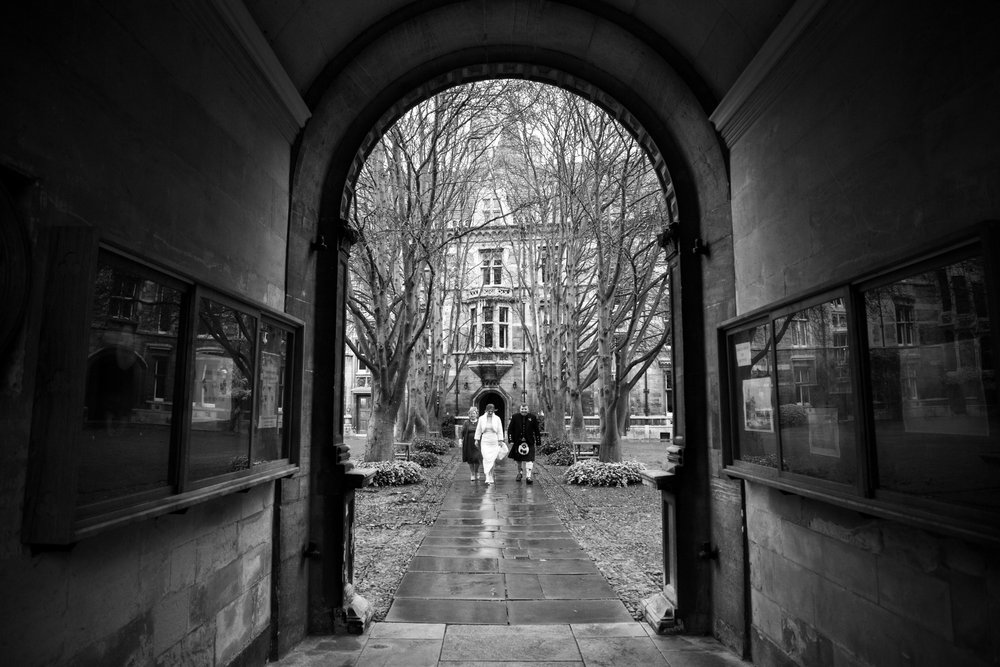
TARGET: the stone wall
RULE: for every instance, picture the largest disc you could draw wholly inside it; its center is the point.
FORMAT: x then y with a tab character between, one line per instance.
133	119
832	586
872	137
876	137
191	588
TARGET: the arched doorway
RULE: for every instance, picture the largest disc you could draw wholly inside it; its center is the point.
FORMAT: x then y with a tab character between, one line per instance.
499	404
439	45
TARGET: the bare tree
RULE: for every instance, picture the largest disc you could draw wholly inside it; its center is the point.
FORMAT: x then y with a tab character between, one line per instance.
592	205
625	207
539	173
418	178
583	207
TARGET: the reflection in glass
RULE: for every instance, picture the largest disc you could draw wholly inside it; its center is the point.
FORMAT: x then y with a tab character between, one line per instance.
222	392
269	434
933	385
815	393
131	370
750	357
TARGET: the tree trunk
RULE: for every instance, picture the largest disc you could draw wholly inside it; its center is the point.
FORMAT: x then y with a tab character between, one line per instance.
417	422
624	411
577	426
610	449
611	446
557	419
379	445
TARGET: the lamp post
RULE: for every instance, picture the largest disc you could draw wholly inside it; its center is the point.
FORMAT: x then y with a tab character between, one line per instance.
524	378
457	411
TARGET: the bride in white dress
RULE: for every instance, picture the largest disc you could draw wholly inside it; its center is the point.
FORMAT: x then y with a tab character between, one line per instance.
489	435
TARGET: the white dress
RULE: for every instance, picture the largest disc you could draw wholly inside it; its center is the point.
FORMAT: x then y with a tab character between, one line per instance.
489	433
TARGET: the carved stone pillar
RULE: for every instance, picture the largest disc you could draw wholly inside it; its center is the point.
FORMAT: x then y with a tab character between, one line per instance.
355	612
660	610
334	606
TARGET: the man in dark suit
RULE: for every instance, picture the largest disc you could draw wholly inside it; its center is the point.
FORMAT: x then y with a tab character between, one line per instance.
524	433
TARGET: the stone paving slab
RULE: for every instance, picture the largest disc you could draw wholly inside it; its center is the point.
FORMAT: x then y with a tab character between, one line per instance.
469	511
503	542
564	586
529	612
325	651
687	651
624	651
623	629
523	587
407	631
552	643
537	532
546	542
447	564
495	586
539	553
452	585
459	552
417	610
473	521
402	652
547	566
462	533
504	521
495	542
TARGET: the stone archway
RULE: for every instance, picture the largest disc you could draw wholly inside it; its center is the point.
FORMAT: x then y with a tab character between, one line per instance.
499	401
604	60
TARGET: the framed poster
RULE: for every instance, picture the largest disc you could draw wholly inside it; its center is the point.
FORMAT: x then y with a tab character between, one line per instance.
758	412
824	432
270	381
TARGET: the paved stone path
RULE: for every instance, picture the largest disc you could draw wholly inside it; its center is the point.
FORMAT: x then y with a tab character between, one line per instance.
499	580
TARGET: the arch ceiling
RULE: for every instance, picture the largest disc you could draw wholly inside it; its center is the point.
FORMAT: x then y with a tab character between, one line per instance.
709	41
356	67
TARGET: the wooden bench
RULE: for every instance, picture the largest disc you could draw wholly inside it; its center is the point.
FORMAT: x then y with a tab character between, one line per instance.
586	451
401	451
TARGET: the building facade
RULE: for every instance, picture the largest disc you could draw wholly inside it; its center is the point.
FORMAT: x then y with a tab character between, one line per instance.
491	360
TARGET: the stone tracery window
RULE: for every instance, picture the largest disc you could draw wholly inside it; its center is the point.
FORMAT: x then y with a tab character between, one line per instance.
492	266
502	328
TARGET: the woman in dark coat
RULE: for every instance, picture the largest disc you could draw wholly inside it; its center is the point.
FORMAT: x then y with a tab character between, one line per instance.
470	450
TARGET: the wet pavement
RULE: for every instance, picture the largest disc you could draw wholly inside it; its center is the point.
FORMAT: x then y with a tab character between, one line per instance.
500	580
